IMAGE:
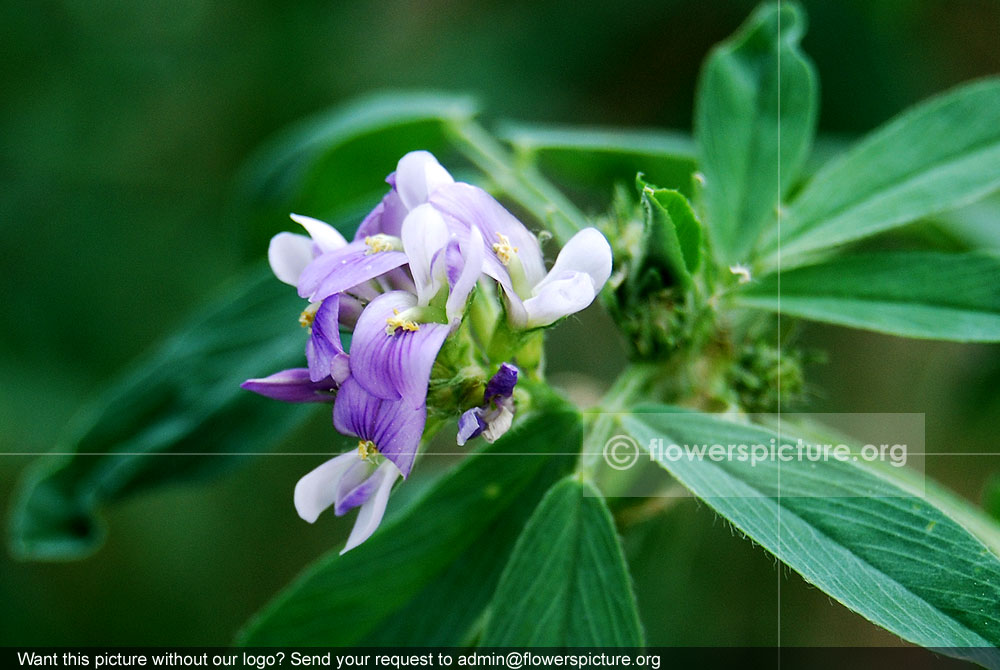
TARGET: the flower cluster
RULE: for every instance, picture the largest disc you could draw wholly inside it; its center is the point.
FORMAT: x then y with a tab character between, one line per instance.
402	287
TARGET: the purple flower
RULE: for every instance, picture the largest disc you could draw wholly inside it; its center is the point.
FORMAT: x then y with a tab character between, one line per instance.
418	174
293	385
324	350
445	258
402	286
388	435
534	298
392	428
377	248
350	480
394	346
494	418
290	253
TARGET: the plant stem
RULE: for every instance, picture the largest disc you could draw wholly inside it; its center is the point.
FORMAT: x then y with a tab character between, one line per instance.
522	184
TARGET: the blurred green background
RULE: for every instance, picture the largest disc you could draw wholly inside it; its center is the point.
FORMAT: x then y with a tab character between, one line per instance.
123	126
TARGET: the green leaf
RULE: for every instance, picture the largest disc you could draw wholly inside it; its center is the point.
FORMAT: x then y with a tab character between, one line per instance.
887	554
426	577
991	497
566	584
671	243
591	160
974	519
942	154
914	294
755	114
147	428
333	166
976	225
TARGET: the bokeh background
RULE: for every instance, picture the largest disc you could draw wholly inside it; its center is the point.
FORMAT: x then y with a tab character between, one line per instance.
123	126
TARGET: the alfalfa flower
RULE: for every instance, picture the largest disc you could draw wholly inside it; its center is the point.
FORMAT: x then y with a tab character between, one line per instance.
534	297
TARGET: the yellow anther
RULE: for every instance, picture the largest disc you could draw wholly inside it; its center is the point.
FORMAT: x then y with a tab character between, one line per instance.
396	321
504	249
377	243
308	315
366	449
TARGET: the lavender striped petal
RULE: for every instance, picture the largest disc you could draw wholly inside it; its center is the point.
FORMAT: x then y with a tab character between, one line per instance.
475	207
386	218
355	487
339	270
395	427
324	346
399	365
292	386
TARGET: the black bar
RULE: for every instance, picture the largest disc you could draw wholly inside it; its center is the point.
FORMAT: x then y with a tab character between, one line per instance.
397	658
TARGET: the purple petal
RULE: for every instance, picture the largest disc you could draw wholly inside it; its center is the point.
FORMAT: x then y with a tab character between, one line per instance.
371	224
453	262
324	346
501	385
292	386
398	365
475	207
350	310
354	488
386	218
399	279
339	270
470	425
395	427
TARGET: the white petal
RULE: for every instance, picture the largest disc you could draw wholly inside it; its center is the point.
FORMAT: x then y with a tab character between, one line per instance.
589	252
318	489
418	174
473	251
289	254
560	296
517	315
326	237
371	513
424	234
499	425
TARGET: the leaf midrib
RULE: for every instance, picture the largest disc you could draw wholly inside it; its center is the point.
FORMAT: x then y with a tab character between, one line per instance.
829	541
